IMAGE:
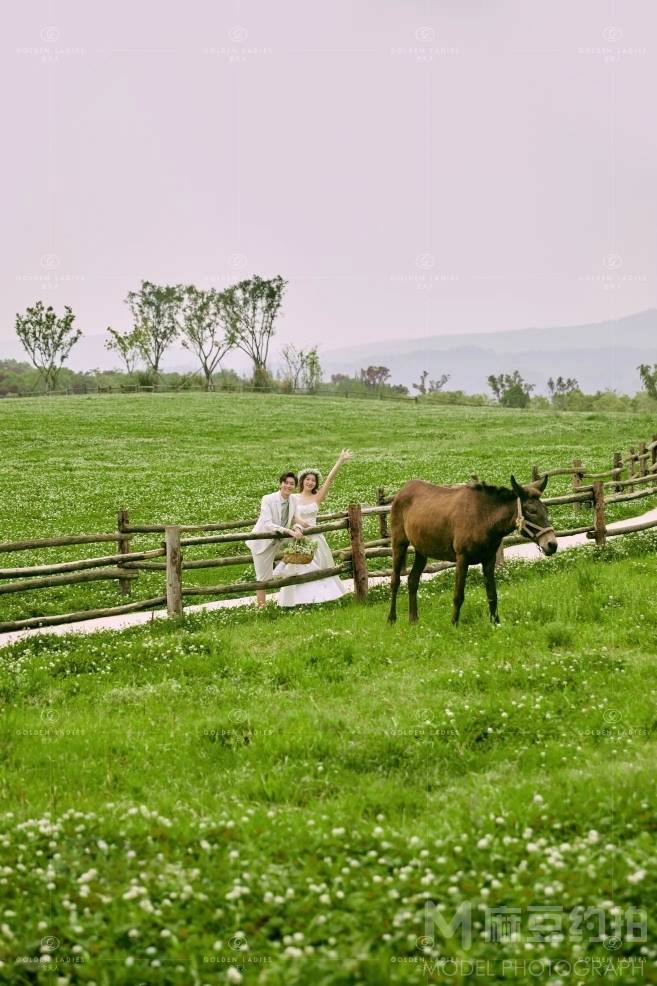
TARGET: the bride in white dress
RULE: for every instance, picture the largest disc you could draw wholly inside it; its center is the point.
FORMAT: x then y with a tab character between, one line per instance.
307	503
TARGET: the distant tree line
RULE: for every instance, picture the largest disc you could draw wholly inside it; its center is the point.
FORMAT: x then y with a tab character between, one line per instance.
212	323
209	323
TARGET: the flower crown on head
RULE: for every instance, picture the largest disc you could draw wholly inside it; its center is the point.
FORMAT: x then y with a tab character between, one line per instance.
306	472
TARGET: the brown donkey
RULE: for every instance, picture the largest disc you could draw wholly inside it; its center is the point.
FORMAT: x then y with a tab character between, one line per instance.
464	524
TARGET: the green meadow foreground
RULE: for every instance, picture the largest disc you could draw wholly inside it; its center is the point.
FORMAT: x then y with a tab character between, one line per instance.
275	796
315	797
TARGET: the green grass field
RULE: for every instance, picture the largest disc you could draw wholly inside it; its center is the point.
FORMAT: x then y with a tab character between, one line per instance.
69	465
274	797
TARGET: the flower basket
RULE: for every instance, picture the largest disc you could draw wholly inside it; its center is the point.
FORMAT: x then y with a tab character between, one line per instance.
300	552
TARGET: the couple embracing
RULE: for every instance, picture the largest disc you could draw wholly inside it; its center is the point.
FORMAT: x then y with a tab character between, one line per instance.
288	513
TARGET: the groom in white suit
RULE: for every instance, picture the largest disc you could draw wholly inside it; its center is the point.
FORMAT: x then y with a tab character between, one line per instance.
276	514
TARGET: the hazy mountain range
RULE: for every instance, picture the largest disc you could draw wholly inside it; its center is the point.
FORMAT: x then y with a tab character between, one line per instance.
600	355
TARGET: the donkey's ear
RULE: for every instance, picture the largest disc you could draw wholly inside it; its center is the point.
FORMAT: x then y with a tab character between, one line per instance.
540	484
517	488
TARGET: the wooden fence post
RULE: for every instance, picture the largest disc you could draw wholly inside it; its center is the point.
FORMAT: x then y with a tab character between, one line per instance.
653	457
124	548
577	480
643	465
535	473
358	558
617	468
383	518
630	463
599	508
174	570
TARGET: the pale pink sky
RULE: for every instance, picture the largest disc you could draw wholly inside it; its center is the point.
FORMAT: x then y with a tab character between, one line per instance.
411	167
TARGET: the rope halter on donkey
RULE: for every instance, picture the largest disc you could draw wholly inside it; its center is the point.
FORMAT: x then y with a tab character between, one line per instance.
524	526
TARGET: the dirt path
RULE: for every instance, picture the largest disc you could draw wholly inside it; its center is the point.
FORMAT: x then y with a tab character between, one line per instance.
527	552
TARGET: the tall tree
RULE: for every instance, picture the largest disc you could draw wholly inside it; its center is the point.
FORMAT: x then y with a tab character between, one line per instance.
126	346
421	387
375	376
312	371
649	378
249	310
203	330
426	386
560	387
155	310
510	389
294	365
303	368
47	339
435	386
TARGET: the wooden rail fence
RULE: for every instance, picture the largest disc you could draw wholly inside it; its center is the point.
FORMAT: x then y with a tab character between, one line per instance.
596	490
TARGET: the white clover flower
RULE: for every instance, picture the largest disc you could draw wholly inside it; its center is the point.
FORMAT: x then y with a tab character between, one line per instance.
88	876
636	877
134	891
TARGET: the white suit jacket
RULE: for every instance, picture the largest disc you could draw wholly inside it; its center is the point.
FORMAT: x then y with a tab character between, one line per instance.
269	521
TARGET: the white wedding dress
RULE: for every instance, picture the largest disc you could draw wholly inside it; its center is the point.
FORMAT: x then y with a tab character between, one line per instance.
321	591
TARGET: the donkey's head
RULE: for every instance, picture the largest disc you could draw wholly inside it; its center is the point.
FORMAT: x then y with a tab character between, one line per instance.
532	518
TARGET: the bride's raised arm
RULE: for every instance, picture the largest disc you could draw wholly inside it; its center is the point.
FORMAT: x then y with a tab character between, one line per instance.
344	456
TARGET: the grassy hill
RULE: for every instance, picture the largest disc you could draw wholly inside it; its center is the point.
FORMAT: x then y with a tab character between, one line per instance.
274	797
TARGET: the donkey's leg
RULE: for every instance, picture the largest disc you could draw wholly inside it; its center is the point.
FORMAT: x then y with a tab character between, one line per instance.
413	582
399	550
459	586
488	568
